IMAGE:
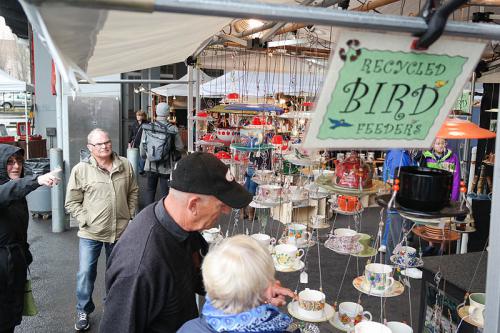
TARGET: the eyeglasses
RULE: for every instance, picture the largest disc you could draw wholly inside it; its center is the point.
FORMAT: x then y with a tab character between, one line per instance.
101	144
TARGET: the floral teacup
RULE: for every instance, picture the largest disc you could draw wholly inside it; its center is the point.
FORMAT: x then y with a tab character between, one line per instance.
351	313
378	277
311	303
287	255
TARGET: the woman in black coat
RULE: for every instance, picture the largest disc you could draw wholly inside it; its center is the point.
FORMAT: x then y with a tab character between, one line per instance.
135	133
15	256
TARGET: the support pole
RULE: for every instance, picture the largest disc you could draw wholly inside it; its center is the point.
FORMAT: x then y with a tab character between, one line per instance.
197	85
57	191
190	121
492	318
59	118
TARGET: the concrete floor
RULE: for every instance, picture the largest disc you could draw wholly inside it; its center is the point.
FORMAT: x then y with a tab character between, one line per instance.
55	264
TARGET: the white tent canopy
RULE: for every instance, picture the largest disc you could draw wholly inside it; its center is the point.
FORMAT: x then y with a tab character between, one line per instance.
179	89
9	84
94	42
260	84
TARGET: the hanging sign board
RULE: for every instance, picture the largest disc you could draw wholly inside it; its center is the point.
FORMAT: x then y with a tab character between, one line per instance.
379	93
463	102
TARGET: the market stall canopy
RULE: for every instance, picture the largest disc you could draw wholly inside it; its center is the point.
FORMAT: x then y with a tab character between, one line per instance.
95	42
454	128
9	84
260	84
179	89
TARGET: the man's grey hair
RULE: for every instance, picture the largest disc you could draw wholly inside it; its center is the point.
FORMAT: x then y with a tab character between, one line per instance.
93	133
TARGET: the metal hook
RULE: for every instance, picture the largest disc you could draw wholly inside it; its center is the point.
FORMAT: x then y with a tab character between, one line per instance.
436	22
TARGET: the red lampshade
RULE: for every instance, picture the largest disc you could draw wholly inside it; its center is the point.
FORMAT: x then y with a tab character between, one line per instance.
233	96
202	114
307	104
454	128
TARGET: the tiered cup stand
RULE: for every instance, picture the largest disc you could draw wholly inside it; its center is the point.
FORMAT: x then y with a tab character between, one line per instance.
421	219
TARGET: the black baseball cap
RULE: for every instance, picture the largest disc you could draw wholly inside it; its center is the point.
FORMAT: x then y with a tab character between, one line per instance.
203	173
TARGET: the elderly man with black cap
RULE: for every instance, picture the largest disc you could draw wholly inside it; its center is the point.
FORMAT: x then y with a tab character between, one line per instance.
159	170
154	270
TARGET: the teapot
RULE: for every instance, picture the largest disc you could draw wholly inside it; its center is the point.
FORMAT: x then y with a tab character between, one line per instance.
352	172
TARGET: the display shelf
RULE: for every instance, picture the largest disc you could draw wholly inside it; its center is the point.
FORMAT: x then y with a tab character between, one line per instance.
328	185
455	208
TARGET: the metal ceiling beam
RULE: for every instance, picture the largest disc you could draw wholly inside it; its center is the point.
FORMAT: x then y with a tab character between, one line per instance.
313	15
132	81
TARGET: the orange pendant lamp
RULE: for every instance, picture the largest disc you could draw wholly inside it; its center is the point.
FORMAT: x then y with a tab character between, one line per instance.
454	128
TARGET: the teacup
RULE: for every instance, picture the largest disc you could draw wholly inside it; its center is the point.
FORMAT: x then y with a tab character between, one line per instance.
322	172
287	255
378	277
371	327
405	255
477	306
311	303
317	220
351	313
269	192
345	239
211	234
297	193
348	203
397	327
298	234
263	176
226	134
252	136
264	239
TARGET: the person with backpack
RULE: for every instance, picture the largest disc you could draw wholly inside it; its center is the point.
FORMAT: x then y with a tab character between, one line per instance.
160	146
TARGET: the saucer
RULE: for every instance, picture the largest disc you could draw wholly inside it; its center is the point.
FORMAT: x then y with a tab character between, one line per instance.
463	312
335	322
299	245
344	212
267	203
299	264
331	245
413	273
328	313
365	253
319	226
396	290
303	327
216	240
418	262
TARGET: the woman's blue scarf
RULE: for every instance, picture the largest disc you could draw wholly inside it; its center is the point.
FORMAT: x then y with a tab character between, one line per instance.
264	318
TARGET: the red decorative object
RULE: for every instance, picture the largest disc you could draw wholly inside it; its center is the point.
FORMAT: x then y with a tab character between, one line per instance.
307	104
233	96
7	139
353	173
256	121
202	114
223	155
277	140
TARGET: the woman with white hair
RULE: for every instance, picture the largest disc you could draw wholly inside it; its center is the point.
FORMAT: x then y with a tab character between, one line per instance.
238	274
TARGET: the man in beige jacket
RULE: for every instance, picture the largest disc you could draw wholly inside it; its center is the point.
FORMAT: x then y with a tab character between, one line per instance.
102	196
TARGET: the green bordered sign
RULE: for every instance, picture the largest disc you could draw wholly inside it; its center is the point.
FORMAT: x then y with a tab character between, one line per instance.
379	93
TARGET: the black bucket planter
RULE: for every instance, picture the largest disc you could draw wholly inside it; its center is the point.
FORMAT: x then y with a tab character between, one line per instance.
424	189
